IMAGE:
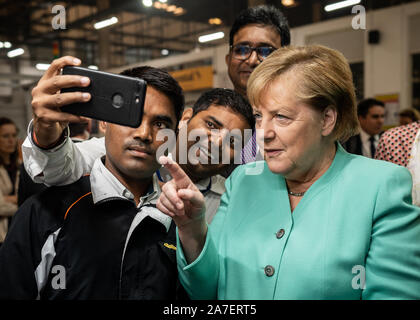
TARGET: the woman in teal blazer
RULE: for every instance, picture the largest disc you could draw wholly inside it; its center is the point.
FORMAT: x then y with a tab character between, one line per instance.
311	221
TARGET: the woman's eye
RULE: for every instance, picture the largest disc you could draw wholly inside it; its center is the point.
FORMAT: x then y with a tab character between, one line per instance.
281	117
257	116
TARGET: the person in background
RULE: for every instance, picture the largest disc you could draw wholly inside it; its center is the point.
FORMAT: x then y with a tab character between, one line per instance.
371	115
408	116
401	145
79	131
317	216
255	34
9	173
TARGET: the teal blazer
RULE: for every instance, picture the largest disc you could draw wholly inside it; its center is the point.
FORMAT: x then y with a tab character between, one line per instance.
354	235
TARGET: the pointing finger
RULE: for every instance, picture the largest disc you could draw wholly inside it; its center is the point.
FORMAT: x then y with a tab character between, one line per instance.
180	178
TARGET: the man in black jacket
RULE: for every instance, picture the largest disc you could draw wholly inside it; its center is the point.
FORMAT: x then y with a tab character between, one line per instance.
102	236
371	115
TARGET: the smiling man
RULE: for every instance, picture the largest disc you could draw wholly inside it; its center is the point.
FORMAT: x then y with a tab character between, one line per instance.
224	110
100	237
219	119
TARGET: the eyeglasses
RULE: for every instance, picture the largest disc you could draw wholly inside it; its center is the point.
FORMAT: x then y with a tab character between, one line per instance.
243	52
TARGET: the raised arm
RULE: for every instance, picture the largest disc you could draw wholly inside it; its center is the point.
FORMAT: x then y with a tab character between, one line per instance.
49	155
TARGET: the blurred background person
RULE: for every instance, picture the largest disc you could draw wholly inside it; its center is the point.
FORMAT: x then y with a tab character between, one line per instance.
9	173
401	145
80	131
371	115
408	116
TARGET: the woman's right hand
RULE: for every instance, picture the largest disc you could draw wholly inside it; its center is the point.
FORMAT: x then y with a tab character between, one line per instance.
49	121
184	203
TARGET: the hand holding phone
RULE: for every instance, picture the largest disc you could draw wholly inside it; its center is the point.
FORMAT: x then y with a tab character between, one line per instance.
49	121
114	98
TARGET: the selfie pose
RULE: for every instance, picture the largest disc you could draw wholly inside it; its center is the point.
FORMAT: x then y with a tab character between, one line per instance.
102	237
9	173
318	223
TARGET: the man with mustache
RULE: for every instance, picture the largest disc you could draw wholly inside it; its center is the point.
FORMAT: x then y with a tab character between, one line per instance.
218	113
255	34
100	237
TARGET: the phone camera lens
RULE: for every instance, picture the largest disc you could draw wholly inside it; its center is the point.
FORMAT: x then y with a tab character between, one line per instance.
117	100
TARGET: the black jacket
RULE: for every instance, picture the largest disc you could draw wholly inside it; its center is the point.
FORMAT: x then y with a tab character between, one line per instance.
63	246
354	144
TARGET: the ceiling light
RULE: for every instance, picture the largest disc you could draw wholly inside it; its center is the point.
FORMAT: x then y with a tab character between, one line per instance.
15	53
42	66
93	67
211	37
164	52
105	23
147	3
7	44
171	8
341	4
216	21
179	11
288	3
1	45
163	1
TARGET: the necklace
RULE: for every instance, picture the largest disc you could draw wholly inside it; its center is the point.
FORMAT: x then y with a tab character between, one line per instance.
296	194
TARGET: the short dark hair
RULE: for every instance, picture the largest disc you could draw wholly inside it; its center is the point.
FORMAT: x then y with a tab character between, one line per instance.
262	15
227	98
365	104
77	128
162	81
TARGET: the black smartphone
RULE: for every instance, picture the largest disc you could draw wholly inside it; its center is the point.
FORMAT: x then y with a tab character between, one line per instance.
114	98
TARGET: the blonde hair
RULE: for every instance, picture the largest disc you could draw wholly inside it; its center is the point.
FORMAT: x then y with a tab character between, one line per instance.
325	80
411	113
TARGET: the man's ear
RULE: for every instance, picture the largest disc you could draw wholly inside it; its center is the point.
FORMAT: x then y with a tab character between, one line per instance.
227	59
186	116
329	120
102	125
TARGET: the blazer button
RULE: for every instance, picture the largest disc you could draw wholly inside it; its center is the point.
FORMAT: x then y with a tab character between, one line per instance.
269	271
280	234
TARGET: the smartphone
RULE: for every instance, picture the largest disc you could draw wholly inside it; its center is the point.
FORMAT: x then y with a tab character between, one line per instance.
114	98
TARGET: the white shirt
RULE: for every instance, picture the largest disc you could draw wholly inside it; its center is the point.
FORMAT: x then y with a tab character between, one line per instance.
212	189
69	161
106	186
366	143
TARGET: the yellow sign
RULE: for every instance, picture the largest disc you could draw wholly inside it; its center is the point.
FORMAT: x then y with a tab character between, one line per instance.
194	78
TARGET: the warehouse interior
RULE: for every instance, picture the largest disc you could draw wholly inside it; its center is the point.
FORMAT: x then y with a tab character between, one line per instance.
166	33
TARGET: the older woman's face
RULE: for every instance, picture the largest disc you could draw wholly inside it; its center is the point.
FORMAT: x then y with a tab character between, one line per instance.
293	131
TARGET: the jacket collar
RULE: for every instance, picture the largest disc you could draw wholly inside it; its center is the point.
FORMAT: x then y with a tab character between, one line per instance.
105	186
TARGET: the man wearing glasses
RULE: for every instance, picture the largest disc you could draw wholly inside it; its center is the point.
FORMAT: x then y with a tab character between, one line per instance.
255	34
